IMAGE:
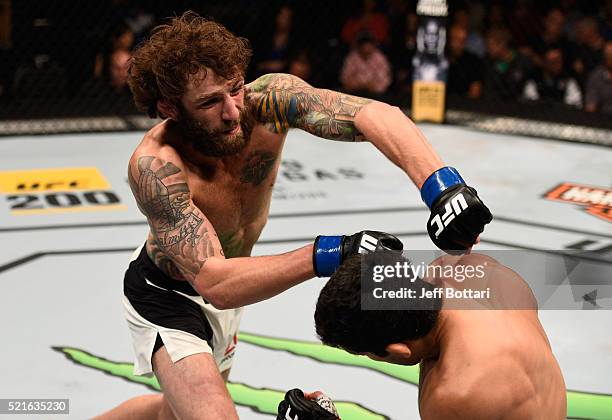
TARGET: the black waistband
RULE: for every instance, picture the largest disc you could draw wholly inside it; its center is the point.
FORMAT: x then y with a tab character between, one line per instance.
161	279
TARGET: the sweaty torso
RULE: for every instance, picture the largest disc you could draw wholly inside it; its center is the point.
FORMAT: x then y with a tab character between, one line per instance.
235	196
499	362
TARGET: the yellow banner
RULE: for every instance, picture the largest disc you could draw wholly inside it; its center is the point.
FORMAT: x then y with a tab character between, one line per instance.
428	101
56	179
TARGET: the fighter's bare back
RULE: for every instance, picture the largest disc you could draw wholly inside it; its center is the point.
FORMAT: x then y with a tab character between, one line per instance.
495	362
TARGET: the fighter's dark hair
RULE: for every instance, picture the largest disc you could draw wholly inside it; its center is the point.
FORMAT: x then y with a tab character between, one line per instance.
340	321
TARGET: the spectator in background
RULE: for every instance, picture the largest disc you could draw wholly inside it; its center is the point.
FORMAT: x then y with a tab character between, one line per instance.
301	66
121	39
403	48
465	77
552	84
366	70
108	88
599	85
524	21
505	68
118	71
589	46
553	36
277	47
474	42
368	20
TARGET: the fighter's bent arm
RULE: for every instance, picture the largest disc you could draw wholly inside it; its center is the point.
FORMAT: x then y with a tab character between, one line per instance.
190	248
285	101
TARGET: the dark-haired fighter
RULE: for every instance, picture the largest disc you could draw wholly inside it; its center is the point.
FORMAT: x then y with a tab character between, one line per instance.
203	178
489	363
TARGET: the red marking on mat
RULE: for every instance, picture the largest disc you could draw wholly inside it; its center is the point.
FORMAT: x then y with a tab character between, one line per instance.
601	212
597	200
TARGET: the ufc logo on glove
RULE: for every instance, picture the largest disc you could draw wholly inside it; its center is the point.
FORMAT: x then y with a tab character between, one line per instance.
458	216
368	244
452	209
288	415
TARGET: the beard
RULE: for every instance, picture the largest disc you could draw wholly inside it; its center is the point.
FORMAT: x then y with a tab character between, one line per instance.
216	142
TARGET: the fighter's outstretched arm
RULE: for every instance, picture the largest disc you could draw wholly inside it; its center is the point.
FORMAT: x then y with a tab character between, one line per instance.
284	101
458	215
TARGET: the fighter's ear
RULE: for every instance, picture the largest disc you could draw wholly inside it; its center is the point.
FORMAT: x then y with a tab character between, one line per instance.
167	109
399	351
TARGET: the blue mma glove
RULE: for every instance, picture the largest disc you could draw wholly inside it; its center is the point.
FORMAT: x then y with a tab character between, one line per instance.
330	251
458	216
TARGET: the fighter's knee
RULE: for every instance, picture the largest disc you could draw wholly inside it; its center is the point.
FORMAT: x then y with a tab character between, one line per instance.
165	410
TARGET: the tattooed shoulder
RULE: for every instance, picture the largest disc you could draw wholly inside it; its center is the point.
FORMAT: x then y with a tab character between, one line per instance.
183	238
273	102
156	196
284	101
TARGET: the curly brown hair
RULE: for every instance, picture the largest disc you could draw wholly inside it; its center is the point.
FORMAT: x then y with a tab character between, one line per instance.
161	67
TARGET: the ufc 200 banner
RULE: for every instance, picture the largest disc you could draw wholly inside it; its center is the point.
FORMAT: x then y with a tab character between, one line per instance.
429	63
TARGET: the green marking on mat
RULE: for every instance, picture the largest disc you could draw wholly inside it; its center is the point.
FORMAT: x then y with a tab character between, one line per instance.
118	369
263	400
325	354
584	405
588	405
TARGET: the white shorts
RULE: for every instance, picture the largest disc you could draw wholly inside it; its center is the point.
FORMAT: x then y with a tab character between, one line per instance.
163	311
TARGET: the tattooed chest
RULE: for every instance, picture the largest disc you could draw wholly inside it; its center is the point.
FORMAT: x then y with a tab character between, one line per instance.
258	168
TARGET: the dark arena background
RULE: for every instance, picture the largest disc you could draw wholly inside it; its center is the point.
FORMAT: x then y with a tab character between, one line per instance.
517	94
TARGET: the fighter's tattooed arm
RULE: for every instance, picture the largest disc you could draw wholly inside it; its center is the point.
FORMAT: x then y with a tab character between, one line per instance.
184	238
283	101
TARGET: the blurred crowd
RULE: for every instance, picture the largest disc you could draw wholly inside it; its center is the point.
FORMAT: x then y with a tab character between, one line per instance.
551	52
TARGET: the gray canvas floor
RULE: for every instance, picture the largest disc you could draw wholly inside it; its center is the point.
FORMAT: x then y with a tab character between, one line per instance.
61	266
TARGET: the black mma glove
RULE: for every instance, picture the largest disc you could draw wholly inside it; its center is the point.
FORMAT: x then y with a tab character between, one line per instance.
296	406
458	216
330	251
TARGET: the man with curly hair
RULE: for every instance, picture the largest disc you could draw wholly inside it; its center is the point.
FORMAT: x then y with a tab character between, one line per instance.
203	178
